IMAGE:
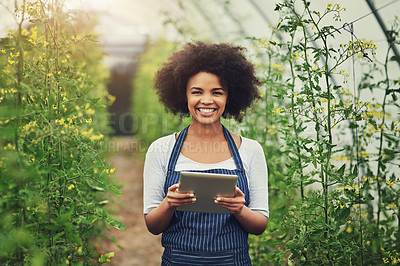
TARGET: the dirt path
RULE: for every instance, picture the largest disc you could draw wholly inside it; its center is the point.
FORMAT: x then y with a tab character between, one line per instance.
140	246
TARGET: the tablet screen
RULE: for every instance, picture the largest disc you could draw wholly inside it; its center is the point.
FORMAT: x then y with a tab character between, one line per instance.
206	187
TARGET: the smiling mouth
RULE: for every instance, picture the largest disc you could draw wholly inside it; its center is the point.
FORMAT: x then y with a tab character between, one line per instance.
206	110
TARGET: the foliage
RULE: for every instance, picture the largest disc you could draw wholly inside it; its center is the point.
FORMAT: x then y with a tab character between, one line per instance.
331	153
54	180
331	139
152	119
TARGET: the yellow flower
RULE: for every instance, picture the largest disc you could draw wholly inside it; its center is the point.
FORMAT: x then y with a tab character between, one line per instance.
349	230
277	66
96	137
110	171
90	111
110	256
392	206
277	111
390	183
60	121
6	71
71	187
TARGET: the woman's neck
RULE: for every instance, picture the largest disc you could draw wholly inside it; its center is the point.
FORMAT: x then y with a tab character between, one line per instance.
205	131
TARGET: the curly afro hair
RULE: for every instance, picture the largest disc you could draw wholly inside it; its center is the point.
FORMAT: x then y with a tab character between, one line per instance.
226	61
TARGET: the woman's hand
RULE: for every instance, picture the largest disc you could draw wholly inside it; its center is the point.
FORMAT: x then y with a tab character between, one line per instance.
251	221
158	219
235	204
176	199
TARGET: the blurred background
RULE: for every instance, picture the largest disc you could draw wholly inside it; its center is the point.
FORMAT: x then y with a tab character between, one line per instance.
127	29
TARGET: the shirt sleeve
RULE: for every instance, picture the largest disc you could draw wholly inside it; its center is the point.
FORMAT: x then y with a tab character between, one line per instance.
258	180
154	174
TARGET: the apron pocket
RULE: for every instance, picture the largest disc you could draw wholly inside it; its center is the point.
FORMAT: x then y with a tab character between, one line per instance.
183	257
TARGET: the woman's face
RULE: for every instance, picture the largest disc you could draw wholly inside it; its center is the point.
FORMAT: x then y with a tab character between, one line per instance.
206	98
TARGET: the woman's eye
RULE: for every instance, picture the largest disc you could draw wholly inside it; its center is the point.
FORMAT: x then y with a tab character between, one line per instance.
196	92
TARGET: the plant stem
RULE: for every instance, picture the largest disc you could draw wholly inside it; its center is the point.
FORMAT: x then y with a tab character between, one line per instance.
329	127
296	133
381	138
324	176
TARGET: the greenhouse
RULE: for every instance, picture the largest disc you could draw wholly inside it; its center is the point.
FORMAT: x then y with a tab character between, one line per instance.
80	107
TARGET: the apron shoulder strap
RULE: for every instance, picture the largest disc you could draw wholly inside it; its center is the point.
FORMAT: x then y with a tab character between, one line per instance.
177	149
233	148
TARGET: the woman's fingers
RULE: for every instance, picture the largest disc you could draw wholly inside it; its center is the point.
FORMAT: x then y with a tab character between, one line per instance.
176	199
174	188
238	192
234	204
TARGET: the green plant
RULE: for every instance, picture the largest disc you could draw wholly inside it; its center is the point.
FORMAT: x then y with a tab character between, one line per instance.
327	181
54	179
152	119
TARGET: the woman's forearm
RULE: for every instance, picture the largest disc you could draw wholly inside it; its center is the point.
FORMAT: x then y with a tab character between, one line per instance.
158	219
251	221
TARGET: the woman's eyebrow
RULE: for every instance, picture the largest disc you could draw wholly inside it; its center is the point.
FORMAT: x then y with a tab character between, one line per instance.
198	88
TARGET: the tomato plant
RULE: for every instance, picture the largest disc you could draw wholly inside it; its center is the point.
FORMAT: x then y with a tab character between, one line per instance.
54	176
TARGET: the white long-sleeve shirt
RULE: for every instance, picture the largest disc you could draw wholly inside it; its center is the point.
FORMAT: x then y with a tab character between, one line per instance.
156	164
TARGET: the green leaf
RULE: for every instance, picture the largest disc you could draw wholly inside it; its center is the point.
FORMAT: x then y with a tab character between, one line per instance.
341	170
342	215
118	225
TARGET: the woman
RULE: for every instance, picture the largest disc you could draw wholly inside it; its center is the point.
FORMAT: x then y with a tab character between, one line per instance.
206	81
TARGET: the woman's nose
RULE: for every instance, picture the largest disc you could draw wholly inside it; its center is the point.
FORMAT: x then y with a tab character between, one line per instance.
206	99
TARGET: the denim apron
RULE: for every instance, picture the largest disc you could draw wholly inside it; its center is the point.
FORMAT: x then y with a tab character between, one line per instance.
195	238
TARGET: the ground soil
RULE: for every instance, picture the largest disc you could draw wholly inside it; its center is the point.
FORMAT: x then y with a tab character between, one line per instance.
139	246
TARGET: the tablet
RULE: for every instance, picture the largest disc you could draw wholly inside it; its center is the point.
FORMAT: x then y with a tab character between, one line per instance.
206	187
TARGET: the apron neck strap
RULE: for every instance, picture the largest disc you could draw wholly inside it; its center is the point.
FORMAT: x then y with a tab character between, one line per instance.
233	148
181	138
177	149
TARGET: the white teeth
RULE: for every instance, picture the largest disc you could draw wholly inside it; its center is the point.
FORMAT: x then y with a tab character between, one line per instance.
206	110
